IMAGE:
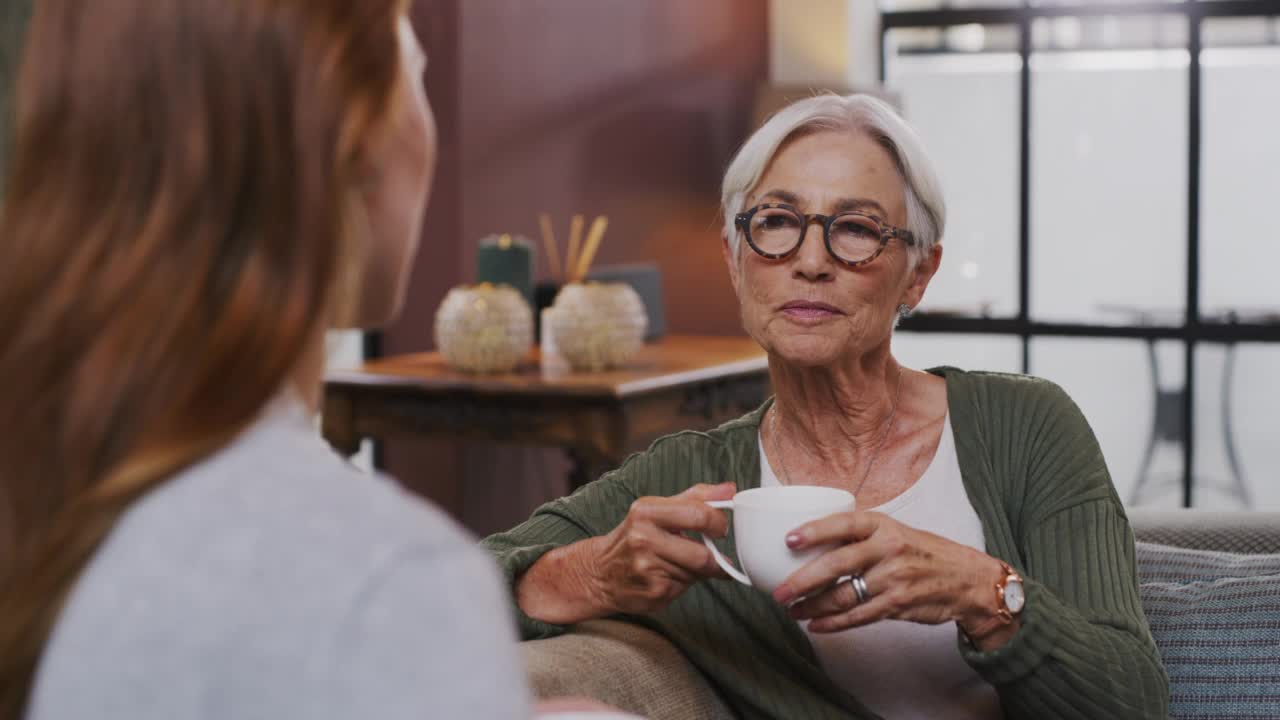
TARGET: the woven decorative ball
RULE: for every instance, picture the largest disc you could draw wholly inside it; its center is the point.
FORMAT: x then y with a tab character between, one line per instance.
597	326
484	328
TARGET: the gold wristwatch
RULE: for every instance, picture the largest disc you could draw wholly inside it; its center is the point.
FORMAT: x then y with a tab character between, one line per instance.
1010	594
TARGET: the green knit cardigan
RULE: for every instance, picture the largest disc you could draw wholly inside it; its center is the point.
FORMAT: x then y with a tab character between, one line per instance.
1036	477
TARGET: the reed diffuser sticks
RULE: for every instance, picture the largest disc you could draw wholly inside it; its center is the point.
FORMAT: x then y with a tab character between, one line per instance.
598	226
579	254
549	244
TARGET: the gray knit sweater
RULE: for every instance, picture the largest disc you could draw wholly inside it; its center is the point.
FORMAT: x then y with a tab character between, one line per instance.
275	581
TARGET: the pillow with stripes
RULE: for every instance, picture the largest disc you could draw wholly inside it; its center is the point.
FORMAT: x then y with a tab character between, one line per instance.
1215	618
1165	563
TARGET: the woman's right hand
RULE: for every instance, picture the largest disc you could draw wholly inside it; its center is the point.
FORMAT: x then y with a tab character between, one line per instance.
647	561
638	568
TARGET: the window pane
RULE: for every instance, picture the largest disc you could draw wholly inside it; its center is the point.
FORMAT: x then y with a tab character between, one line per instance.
965	107
1094	2
1001	353
1237	412
1110	32
1236	32
889	5
1108	184
1239	226
1127	408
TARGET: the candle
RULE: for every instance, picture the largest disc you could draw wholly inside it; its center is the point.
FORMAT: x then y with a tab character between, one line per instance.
506	259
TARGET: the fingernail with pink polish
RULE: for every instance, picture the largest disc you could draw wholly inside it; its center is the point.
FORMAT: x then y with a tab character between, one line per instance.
793	539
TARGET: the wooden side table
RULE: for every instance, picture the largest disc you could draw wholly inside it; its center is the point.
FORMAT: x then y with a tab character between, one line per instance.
678	383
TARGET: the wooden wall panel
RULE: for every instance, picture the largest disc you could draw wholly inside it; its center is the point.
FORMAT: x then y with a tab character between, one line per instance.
630	108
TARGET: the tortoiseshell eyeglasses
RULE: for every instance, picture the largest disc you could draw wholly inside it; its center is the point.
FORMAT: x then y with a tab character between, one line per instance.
776	231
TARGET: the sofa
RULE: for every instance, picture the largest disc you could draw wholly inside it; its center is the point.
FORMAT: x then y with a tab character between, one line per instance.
1210	584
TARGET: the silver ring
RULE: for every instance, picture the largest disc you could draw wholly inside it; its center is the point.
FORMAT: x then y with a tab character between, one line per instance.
860	588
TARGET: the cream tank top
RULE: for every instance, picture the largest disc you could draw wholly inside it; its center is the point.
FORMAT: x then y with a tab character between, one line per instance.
903	669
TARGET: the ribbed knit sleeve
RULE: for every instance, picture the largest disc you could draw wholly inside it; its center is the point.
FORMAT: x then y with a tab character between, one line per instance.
671	466
1084	649
593	510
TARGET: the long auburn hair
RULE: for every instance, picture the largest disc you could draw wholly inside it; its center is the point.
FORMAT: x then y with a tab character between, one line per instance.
175	232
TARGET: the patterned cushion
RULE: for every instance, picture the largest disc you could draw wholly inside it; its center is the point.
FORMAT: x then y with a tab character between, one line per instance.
1216	620
1164	564
1238	532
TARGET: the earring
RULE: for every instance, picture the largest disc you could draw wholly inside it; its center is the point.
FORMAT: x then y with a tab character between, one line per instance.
904	310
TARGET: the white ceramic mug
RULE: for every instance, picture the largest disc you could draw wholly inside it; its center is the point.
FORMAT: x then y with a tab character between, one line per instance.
762	517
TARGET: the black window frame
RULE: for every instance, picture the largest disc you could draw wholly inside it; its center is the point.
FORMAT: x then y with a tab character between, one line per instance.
1194	330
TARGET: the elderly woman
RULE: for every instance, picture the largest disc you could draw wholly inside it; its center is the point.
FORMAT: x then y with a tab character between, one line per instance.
991	563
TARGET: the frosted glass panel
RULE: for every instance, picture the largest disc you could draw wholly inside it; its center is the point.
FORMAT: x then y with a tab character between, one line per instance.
1086	2
1001	353
1236	31
1239	225
965	108
1237	459
1113	383
1108	185
1108	193
889	5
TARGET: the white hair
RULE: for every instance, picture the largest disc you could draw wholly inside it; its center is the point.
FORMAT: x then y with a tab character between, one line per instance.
926	210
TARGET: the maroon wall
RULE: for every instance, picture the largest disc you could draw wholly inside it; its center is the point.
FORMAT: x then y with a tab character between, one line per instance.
630	108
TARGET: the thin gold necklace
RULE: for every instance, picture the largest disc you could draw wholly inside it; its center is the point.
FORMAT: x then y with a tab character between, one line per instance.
884	435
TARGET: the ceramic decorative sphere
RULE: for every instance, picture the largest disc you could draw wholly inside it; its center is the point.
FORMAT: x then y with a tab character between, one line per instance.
484	328
597	326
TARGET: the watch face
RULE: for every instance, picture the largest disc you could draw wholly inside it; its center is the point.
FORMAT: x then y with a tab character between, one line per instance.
1013	596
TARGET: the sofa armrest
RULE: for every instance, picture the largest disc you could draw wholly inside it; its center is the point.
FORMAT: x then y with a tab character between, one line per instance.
1236	532
624	665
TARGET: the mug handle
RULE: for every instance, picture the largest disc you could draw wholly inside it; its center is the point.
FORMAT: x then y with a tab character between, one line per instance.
724	564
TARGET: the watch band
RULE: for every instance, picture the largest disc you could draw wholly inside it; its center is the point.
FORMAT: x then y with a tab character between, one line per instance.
1003	616
1002	608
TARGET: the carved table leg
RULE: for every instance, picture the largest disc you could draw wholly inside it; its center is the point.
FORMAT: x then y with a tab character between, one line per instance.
337	423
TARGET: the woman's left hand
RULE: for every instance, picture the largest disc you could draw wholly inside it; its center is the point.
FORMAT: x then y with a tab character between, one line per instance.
910	575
